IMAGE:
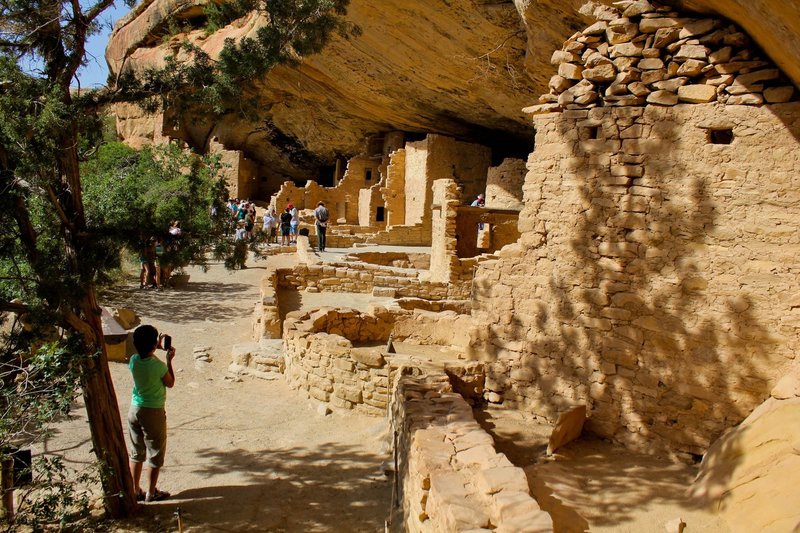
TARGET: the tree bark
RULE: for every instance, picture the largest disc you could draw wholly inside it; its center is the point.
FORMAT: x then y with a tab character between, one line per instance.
105	425
98	389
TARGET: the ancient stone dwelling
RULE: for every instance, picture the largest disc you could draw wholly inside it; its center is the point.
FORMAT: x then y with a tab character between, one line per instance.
637	260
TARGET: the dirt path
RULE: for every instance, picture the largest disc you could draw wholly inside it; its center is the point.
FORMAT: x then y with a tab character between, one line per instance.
250	455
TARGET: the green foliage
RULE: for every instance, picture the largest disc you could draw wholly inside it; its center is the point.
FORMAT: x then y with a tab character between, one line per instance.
219	15
58	495
36	389
131	196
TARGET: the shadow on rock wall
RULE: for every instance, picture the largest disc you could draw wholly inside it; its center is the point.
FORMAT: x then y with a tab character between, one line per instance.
627	291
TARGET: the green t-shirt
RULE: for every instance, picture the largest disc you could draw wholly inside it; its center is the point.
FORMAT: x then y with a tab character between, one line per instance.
148	389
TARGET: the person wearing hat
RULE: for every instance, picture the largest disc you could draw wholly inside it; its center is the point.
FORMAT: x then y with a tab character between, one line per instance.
479	202
285	221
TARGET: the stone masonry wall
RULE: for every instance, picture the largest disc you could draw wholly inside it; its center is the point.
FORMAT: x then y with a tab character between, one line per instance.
266	317
368	202
645	52
504	185
656	276
449	233
241	174
419	260
416	184
350	277
322	361
466	163
342	200
394	188
451	476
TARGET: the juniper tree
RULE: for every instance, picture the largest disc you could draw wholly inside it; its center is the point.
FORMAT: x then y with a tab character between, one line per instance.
51	254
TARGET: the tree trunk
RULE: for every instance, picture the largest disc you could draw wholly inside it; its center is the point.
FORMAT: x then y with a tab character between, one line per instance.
98	390
105	425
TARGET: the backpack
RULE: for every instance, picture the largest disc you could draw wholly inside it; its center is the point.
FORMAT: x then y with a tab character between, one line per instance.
322	214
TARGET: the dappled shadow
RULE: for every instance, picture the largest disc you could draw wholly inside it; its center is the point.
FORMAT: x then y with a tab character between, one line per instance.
602	484
198	300
633	294
286	489
592	481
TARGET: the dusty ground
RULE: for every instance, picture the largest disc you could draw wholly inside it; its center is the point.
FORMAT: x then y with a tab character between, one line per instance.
592	485
250	455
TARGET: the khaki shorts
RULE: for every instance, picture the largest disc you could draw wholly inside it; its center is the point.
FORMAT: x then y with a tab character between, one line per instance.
147	431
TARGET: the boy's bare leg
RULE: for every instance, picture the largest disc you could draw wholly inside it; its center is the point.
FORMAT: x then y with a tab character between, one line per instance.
136	473
151	490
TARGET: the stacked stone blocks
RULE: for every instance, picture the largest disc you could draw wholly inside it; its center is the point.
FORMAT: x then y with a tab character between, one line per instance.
644	53
322	361
452	478
365	277
654	278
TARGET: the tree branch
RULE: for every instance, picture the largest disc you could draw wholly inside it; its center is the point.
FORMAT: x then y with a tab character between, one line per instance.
79	325
97	10
59	210
17	308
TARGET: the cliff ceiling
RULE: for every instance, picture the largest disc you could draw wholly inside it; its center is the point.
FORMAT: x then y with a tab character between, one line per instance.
464	68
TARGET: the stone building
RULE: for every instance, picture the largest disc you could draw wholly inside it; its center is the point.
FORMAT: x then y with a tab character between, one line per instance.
654	279
387	198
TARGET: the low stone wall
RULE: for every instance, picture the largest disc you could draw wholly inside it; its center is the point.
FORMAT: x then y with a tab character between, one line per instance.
411	235
433	328
355	277
420	261
338	355
451	478
266	317
322	361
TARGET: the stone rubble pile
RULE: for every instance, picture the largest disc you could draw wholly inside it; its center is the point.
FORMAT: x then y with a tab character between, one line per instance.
201	357
263	359
643	53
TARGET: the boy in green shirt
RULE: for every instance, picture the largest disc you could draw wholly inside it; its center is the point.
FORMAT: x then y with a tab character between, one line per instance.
147	419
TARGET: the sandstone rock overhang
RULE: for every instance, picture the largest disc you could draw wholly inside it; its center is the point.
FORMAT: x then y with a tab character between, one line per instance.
463	68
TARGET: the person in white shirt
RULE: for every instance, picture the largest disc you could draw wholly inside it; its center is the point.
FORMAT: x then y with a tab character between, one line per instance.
269	225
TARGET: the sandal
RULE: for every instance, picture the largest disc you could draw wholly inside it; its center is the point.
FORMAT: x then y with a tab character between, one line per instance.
157	496
140	495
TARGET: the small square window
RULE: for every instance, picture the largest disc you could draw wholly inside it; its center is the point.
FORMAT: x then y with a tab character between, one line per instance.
368	175
720	136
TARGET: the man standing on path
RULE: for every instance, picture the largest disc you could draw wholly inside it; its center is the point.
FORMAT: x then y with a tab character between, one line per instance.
147	419
321	216
295	222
